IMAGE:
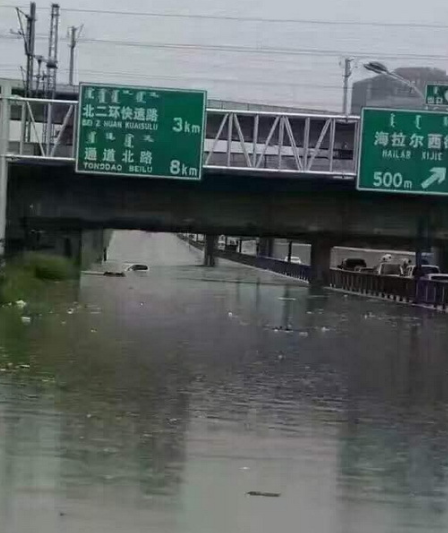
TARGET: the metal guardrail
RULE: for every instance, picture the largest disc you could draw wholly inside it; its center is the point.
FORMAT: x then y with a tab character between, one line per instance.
398	289
291	270
239	141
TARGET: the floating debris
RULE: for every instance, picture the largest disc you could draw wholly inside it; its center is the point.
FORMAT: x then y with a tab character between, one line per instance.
303	334
26	320
265	494
21	304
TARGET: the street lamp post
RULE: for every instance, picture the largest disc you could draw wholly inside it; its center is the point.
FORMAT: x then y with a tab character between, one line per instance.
380	68
422	224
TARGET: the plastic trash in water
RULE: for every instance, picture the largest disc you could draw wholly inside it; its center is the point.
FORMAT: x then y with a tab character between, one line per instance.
265	494
21	304
303	334
26	320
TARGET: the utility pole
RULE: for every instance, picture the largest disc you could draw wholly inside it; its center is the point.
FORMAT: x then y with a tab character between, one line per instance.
74	34
51	75
29	48
29	39
348	70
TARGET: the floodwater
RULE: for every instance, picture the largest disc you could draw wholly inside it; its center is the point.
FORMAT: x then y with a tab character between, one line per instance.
157	402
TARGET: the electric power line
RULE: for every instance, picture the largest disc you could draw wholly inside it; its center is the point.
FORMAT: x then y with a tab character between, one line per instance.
252	50
234	18
315	52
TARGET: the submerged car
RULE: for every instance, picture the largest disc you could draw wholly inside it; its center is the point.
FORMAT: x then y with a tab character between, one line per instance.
352	263
389	269
294	259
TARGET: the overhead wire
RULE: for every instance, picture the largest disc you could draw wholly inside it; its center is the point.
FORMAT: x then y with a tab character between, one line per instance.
315	52
243	19
235	49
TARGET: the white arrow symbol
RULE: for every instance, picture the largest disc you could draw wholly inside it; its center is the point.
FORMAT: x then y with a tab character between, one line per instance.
438	175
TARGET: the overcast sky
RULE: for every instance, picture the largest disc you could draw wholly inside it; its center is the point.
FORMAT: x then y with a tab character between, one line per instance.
302	67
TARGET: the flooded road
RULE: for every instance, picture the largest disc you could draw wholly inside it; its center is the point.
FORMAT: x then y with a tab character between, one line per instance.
157	402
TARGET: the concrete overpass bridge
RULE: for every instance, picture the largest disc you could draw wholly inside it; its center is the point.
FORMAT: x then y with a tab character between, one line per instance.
266	173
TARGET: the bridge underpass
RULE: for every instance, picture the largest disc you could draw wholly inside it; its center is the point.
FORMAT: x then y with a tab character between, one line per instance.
273	174
324	213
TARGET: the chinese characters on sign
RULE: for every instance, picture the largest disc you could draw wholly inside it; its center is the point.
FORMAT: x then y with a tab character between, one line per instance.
437	95
140	132
403	152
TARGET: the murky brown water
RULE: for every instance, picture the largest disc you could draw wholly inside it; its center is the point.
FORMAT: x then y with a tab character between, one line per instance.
157	402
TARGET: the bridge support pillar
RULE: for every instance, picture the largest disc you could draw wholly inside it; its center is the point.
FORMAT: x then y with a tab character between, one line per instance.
266	247
320	263
209	251
441	257
289	251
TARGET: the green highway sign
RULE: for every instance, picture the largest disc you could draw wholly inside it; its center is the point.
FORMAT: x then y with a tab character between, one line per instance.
437	94
403	152
140	131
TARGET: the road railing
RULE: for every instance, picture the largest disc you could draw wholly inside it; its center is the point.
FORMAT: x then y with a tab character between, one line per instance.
292	270
395	288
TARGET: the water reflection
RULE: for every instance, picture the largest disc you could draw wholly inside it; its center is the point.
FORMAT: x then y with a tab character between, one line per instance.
159	402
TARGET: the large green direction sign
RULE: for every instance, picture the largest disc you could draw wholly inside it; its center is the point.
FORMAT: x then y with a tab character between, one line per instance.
437	94
403	152
141	132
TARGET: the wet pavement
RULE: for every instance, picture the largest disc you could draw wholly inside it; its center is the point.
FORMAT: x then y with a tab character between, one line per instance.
158	402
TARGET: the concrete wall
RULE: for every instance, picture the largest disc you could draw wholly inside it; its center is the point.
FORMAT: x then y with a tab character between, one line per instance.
338	254
371	256
83	247
93	245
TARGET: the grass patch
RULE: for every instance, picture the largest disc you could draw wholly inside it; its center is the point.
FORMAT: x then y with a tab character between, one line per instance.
25	275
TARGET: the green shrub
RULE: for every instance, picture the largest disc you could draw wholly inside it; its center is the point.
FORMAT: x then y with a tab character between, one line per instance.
49	267
24	275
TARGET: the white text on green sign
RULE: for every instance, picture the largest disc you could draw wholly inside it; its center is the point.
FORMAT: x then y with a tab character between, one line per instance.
437	95
403	151
142	132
